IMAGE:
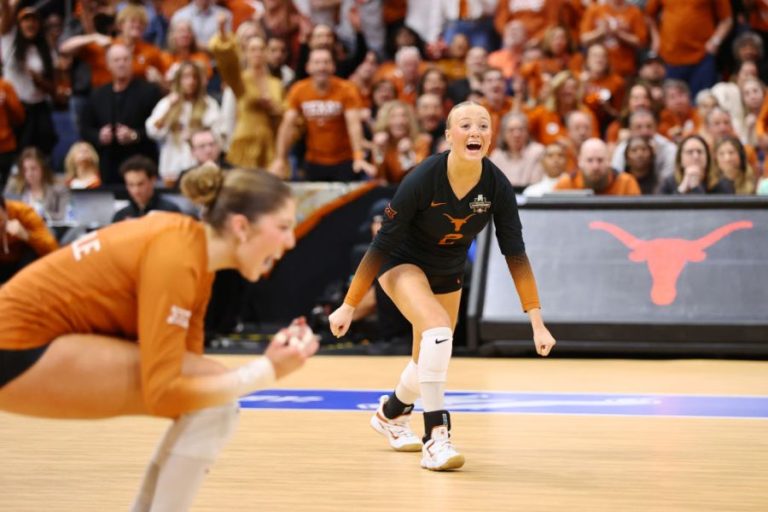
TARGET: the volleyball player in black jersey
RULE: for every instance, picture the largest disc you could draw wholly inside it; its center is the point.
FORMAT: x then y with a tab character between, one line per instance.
419	256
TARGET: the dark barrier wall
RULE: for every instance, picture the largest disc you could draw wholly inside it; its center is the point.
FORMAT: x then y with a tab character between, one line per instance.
634	274
320	258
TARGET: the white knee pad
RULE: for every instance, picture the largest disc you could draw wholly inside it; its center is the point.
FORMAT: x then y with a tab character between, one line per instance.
435	354
202	434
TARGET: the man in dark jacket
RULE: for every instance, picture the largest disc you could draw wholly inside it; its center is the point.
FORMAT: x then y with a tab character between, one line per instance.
140	175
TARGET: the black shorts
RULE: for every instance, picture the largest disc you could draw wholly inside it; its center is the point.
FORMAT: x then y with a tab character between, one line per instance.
15	362
439	284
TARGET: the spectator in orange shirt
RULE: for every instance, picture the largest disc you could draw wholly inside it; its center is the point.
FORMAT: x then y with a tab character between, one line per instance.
147	60
546	122
23	237
687	35
536	16
127	303
678	118
11	117
595	173
397	144
603	88
331	110
495	99
182	46
408	69
638	97
453	63
620	27
510	56
761	126
560	53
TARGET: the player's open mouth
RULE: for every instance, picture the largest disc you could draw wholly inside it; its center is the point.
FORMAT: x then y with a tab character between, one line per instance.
474	146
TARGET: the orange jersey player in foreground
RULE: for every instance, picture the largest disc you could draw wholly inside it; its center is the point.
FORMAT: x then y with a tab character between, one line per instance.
419	256
113	325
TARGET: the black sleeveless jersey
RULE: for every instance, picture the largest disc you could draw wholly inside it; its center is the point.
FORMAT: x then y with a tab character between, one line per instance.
427	225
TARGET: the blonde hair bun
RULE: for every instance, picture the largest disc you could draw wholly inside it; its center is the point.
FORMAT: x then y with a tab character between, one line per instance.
202	184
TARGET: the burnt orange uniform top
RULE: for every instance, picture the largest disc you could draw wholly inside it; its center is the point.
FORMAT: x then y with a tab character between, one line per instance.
11	115
630	19
143	279
39	238
327	138
685	26
622	184
144	56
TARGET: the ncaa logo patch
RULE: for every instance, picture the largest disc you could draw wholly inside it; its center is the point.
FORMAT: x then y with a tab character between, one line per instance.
480	205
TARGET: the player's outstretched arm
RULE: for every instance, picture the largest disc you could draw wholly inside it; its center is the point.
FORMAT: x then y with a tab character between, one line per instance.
542	338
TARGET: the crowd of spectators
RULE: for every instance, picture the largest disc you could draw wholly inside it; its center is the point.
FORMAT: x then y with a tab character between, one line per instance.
615	96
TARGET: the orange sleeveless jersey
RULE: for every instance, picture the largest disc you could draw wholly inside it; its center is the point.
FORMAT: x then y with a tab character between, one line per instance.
143	279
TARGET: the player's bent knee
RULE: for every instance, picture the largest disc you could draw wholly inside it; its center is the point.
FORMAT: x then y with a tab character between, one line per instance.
435	354
203	434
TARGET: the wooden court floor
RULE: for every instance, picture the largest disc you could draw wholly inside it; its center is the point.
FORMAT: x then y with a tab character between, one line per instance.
333	461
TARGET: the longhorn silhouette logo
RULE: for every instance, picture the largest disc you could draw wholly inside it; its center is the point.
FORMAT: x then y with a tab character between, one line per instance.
666	257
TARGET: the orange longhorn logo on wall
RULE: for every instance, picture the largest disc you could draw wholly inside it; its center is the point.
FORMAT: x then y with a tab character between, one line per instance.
666	257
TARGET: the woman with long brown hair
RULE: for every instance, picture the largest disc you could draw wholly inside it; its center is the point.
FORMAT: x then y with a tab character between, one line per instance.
187	108
36	185
732	167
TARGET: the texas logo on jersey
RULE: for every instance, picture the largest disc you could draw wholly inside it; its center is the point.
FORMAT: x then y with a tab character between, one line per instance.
179	316
480	204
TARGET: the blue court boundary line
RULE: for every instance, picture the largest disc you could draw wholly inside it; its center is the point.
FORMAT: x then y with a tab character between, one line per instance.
528	403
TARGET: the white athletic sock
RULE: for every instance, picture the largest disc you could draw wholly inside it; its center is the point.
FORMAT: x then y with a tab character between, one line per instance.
432	396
